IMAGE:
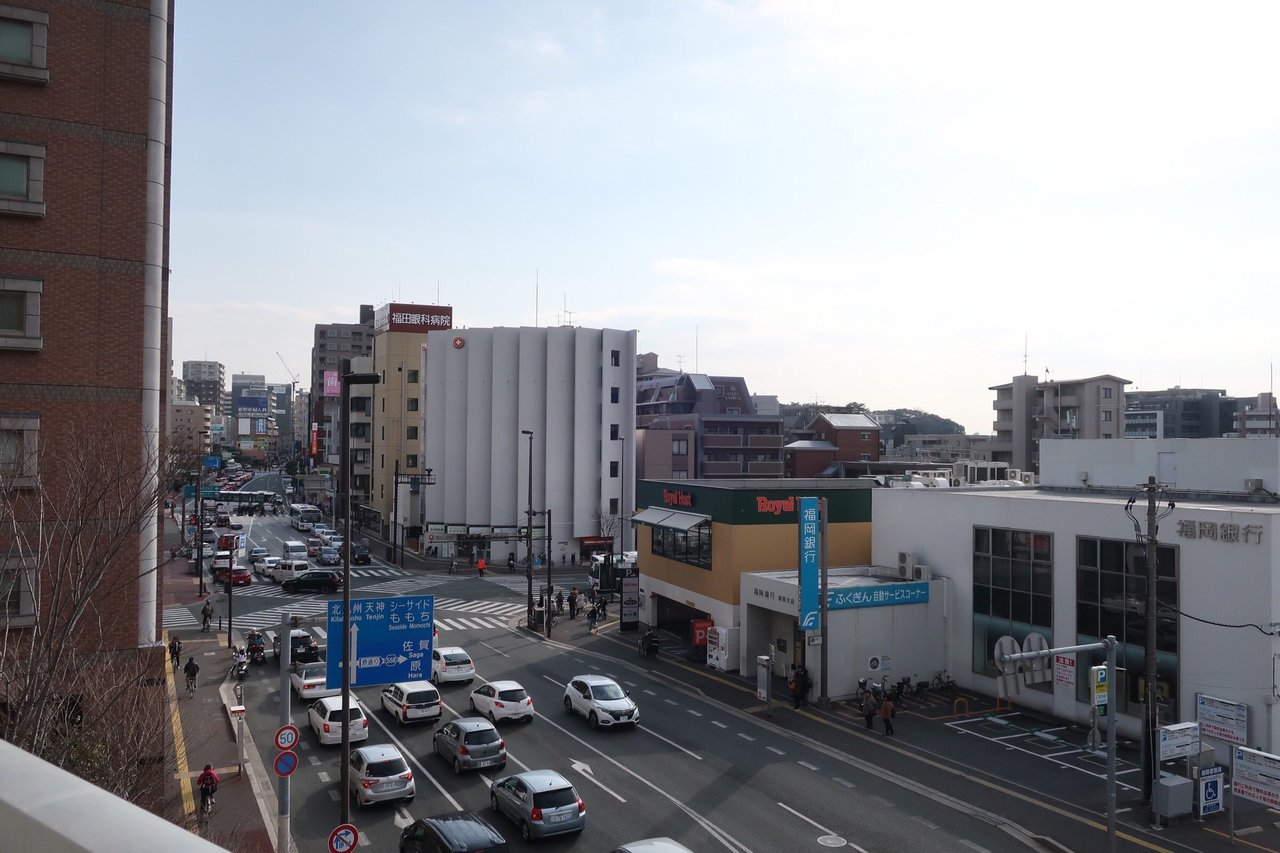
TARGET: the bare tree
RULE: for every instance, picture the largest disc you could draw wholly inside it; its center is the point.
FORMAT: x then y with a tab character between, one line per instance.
77	688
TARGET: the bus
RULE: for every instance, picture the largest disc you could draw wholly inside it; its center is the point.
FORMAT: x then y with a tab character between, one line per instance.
303	516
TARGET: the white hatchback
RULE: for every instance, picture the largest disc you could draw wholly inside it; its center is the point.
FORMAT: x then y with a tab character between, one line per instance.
325	716
502	700
601	701
451	663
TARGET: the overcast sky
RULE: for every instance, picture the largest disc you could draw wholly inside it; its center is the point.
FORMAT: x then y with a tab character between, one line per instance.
839	201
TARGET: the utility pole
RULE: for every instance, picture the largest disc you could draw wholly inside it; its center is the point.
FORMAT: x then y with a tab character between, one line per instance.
528	532
1151	711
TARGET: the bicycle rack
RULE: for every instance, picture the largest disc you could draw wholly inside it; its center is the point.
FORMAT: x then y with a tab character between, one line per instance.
955	705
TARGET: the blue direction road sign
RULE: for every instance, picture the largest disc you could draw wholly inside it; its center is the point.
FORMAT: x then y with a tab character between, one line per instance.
391	640
212	461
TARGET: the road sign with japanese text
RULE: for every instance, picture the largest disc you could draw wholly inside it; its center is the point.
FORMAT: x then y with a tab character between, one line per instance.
391	640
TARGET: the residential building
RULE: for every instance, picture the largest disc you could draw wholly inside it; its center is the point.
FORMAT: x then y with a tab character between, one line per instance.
729	438
190	431
836	438
206	381
1256	417
335	343
1029	411
573	389
399	339
1178	413
84	235
943	448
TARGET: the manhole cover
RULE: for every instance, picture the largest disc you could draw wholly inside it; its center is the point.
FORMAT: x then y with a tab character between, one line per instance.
832	841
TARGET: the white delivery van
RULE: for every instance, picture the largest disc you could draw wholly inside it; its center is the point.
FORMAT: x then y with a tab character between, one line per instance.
294	550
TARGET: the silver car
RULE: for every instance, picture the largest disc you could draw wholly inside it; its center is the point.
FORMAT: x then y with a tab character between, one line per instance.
540	802
380	773
469	743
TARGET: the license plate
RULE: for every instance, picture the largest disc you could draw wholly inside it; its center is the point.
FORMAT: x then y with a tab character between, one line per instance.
558	818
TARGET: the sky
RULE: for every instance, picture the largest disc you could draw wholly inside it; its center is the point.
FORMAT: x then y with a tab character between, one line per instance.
898	204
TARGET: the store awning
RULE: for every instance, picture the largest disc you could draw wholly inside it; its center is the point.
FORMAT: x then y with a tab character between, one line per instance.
671	519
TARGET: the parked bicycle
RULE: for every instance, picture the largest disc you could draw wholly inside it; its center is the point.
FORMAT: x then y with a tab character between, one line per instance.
943	683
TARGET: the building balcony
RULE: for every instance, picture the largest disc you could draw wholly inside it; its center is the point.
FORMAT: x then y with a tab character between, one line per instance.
719	441
723	469
765	469
764	441
1003	405
1003	425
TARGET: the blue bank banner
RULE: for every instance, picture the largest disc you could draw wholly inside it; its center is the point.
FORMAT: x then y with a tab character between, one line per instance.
810	611
881	595
391	640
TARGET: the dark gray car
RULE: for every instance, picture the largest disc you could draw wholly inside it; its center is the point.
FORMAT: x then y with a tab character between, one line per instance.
469	743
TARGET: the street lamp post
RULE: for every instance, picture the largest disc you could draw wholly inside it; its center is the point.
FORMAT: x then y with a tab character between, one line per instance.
528	532
546	613
622	496
344	469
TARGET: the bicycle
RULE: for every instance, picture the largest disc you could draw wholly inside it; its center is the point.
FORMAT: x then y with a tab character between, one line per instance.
205	809
592	620
943	683
191	686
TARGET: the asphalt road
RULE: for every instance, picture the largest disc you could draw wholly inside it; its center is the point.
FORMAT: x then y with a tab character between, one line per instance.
697	770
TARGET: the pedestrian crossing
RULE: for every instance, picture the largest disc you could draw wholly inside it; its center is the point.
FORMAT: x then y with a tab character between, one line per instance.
500	608
478	614
179	616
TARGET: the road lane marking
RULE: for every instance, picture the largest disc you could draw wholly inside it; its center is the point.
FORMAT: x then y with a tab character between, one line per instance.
745	736
408	754
719	724
585	769
775	750
820	827
807	766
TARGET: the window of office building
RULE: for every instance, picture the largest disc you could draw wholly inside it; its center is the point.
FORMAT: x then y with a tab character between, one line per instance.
679	447
613	469
412	378
17	600
614	394
20	313
1012	590
411	460
613	506
19	443
24	38
1111	599
613	432
22	178
615	357
411	404
411	433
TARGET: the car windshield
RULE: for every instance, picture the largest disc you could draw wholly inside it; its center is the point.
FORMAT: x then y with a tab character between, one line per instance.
555	799
607	691
390	767
515	694
310	673
482	736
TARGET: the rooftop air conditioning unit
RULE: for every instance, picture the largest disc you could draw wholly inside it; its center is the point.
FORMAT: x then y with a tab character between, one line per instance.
1028	478
906	564
921	572
1253	485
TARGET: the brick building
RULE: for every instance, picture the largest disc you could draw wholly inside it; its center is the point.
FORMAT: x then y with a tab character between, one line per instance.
84	207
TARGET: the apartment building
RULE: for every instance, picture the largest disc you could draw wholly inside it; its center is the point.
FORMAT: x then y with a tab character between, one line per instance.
335	344
1029	411
206	381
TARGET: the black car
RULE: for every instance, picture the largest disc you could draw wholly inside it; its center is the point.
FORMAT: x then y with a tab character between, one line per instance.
316	580
302	647
455	832
360	554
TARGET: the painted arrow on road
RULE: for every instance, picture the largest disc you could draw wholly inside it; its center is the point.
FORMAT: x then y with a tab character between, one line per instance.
585	769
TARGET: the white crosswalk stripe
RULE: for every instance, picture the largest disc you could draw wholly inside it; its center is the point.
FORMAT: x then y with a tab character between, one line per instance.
465	624
179	617
466	606
270	619
401	586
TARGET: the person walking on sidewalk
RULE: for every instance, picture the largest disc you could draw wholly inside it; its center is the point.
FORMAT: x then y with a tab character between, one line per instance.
206	615
869	712
887	713
480	567
573	604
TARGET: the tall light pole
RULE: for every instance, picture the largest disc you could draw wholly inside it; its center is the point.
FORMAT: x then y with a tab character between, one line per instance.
528	532
344	471
622	496
546	612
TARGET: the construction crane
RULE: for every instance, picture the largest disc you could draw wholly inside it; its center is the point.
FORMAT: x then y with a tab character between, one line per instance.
293	377
293	396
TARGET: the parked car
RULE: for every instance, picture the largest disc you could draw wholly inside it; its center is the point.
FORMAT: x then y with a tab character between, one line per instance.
601	701
410	701
256	555
360	554
502	700
325	717
451	664
309	682
540	802
303	647
380	773
328	556
266	566
316	580
456	832
238	575
468	743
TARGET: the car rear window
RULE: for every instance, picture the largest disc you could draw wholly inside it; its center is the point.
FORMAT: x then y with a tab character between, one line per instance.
353	714
390	767
421	697
482	736
513	695
455	659
556	798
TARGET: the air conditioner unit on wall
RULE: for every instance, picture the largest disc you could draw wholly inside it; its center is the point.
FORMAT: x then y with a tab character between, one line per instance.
906	563
921	572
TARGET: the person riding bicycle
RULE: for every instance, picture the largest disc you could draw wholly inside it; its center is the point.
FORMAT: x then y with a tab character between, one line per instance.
208	784
206	615
593	616
192	669
175	651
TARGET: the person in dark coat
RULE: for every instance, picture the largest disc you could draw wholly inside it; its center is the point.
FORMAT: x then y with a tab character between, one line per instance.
803	683
887	713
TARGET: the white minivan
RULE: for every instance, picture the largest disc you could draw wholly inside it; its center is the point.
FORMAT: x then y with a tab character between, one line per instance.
294	550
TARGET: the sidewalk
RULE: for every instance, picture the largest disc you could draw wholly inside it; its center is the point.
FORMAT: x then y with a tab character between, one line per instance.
202	730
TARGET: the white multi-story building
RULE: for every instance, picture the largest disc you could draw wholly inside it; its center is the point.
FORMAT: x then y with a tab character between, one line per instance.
574	389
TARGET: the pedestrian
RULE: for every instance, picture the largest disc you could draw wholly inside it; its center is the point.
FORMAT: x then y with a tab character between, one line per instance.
803	683
480	567
868	712
887	713
793	686
559	602
573	603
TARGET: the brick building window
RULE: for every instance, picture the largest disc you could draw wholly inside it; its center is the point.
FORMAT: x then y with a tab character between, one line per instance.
22	178
17	601
19	441
24	38
20	313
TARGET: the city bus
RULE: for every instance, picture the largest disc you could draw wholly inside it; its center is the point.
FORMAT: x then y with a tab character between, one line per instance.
303	516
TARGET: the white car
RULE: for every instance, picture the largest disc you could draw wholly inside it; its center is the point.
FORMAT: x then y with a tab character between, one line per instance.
601	701
266	566
502	700
287	570
309	682
451	663
325	717
409	701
